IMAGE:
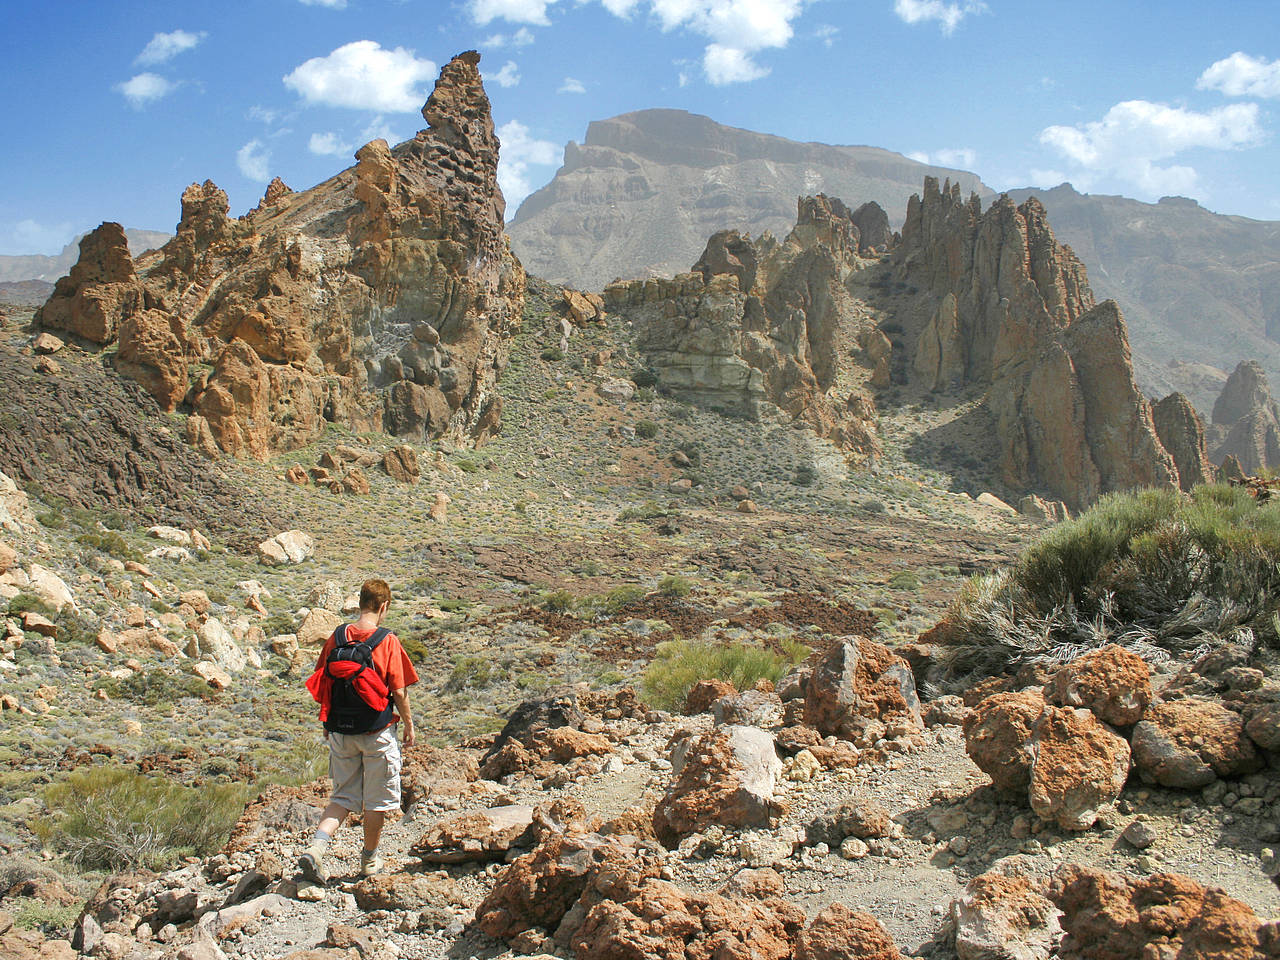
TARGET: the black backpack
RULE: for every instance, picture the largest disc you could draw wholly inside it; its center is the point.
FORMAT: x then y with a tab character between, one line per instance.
349	713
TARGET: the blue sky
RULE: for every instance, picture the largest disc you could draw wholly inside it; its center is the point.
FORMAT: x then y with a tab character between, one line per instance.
113	108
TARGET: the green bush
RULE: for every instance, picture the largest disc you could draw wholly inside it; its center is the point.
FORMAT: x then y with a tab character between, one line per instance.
113	818
650	510
643	377
111	543
466	466
675	587
1156	571
904	580
25	602
806	474
469	671
52	520
158	685
558	601
646	429
619	597
680	664
552	354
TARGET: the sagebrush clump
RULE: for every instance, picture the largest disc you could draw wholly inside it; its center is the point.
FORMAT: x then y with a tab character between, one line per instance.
679	664
1160	572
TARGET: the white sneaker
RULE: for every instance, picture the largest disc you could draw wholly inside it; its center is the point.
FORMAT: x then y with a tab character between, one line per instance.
370	863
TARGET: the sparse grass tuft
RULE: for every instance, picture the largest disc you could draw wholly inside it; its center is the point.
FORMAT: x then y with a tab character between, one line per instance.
680	664
675	587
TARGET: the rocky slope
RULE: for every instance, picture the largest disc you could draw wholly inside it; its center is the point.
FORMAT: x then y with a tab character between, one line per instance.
644	190
48	269
381	299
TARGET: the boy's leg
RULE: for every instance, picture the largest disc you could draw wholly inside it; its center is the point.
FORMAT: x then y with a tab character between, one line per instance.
381	792
345	770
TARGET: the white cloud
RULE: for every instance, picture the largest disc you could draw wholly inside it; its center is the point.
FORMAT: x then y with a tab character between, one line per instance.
263	114
521	38
726	65
509	75
962	158
166	46
827	34
253	160
331	4
518	153
146	88
1047	178
1127	143
735	29
32	237
1241	75
328	145
513	11
379	129
948	14
571	85
364	76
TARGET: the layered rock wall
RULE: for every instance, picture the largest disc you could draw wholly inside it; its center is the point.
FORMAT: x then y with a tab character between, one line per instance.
381	298
1000	304
1246	420
759	323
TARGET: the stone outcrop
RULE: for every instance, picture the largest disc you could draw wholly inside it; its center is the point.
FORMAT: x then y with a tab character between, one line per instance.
1068	763
1003	306
758	324
1181	432
728	777
1246	421
1107	916
1004	918
840	933
1190	743
1112	682
382	298
859	690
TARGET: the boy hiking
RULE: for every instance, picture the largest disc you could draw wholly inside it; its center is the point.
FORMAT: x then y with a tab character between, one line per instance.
360	682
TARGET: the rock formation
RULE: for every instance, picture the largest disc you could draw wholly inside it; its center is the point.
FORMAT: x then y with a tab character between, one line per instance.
1246	420
1000	304
1181	432
382	298
759	323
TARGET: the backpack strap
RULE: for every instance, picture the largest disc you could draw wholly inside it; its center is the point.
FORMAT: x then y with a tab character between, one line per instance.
378	636
340	635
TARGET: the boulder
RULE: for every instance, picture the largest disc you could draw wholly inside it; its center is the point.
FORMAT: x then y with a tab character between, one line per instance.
859	818
1112	682
857	682
1050	511
752	708
656	919
46	343
291	546
1107	916
476	835
616	389
729	777
1004	918
15	507
1264	727
8	557
1078	767
100	291
1190	743
840	933
401	463
214	642
406	891
439	511
354	481
317	626
704	693
49	587
212	674
997	737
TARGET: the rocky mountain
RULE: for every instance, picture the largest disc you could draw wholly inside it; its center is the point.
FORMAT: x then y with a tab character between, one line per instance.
40	267
1246	420
642	193
382	298
1197	287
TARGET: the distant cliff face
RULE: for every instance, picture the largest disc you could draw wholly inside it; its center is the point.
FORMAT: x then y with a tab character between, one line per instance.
382	298
642	194
1000	305
1246	420
49	269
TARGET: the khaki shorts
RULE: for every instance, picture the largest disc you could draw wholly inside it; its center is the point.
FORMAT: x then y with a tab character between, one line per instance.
365	770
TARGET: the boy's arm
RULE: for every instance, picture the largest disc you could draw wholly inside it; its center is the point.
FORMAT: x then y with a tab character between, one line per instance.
401	697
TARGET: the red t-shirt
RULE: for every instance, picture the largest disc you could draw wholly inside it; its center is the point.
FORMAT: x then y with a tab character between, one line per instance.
389	659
